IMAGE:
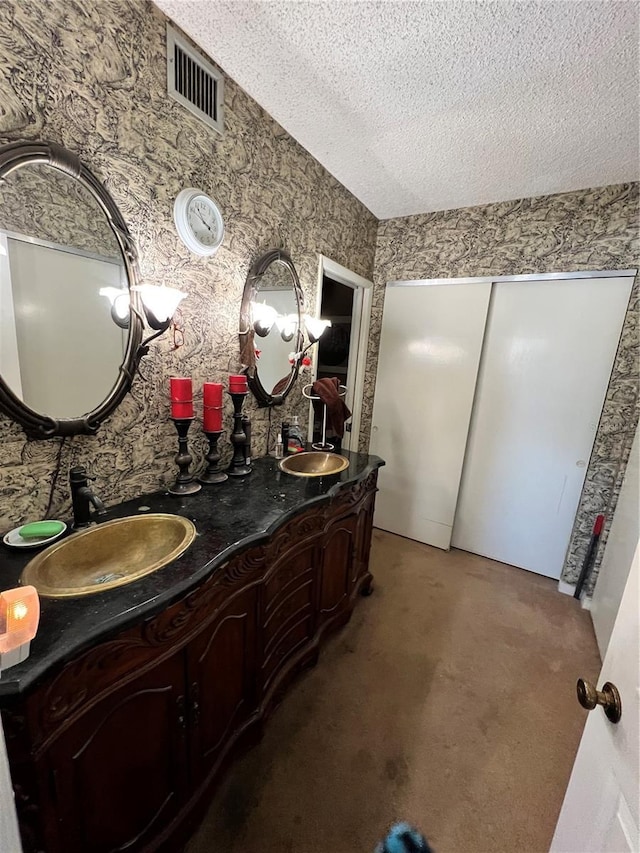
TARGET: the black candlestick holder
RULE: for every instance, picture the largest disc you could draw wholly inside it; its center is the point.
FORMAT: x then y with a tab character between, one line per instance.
213	474
184	484
238	467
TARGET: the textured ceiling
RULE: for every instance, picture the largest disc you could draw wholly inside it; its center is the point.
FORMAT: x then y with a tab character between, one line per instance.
420	106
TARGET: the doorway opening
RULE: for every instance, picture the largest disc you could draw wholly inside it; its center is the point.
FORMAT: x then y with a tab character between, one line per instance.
344	297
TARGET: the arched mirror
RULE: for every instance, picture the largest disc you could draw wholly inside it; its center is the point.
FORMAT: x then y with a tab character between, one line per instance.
271	326
67	358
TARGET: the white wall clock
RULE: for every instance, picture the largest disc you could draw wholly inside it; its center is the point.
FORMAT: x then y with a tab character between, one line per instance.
198	221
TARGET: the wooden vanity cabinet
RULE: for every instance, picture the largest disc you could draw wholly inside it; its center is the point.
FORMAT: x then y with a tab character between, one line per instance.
119	773
221	673
337	567
121	748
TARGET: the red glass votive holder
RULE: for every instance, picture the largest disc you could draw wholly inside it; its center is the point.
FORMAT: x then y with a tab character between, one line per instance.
238	384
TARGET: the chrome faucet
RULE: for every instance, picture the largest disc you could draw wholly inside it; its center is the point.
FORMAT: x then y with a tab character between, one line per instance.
82	497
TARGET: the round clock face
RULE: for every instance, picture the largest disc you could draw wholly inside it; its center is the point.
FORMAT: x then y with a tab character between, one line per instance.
198	221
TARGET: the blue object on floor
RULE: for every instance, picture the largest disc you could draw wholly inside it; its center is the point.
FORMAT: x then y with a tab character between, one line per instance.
403	838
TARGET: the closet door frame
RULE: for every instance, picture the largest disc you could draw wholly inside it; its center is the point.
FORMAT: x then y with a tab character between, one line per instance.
548	276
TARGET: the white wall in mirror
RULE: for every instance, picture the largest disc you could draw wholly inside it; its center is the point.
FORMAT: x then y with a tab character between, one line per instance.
273	363
9	363
60	348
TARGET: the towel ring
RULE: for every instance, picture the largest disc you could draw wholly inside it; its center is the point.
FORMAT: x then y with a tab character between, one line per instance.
342	392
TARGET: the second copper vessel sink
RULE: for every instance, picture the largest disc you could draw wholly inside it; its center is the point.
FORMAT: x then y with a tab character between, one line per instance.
109	555
314	463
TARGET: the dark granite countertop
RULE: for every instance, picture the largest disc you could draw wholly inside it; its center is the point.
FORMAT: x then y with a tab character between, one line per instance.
229	517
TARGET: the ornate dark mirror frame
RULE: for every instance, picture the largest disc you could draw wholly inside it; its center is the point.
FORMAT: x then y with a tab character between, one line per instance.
36	425
247	334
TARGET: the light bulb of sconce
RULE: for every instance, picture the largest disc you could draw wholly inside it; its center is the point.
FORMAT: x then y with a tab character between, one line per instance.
19	617
288	325
120	305
315	326
264	316
160	303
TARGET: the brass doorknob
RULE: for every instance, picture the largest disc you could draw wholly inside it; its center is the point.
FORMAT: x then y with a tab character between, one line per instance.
608	697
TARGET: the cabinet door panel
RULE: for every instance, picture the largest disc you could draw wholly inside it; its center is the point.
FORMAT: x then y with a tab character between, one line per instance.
119	773
222	674
338	558
363	548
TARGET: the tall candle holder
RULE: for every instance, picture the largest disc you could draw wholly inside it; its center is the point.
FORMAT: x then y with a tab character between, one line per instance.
213	474
238	467
184	484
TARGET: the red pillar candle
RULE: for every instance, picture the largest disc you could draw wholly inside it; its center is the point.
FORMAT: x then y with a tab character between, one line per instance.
212	397
212	420
238	383
181	397
212	394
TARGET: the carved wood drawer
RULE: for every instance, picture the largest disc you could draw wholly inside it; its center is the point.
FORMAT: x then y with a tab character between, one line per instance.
297	600
286	576
296	636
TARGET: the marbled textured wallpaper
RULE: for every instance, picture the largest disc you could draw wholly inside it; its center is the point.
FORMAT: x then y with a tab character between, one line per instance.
92	76
39	201
594	229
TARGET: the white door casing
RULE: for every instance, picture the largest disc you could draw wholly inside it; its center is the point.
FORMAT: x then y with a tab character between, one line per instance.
621	543
427	366
361	318
547	358
9	833
600	813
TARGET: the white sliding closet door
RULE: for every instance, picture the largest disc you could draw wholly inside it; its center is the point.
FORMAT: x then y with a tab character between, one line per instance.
427	368
547	358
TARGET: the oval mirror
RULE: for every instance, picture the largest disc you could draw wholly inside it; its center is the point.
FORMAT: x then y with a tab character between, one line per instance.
67	357
271	326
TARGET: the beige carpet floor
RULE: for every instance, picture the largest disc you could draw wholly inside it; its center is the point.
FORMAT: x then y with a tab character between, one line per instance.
448	701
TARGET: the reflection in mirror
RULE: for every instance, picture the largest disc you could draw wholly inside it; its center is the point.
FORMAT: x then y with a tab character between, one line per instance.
270	326
60	349
275	289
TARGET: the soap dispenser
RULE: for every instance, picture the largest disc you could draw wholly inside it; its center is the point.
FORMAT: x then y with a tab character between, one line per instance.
296	440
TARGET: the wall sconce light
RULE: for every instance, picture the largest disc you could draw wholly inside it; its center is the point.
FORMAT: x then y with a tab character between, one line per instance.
19	618
159	304
288	325
315	327
264	316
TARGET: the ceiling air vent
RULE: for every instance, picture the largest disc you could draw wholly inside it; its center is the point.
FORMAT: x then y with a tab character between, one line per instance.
194	82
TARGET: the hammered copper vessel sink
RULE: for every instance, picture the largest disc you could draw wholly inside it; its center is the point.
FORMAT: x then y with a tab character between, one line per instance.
109	555
314	463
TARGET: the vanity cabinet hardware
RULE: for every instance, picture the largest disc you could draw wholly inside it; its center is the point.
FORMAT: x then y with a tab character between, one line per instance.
181	717
195	705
